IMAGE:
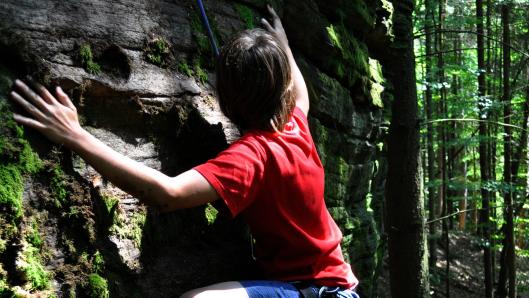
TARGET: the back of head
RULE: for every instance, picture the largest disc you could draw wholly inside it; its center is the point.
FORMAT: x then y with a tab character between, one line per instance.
253	81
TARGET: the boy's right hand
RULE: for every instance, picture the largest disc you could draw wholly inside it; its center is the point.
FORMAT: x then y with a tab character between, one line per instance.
276	29
54	116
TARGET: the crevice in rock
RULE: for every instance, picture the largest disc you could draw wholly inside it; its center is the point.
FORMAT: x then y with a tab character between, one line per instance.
115	62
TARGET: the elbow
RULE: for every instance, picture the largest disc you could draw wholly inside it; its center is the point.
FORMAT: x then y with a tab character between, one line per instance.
164	199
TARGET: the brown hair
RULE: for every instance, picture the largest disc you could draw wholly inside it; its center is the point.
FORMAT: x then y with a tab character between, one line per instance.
253	79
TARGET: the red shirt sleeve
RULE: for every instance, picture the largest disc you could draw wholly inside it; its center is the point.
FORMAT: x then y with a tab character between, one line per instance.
235	174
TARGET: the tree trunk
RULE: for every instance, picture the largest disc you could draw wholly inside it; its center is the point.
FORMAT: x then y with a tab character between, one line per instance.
442	134
483	158
432	208
509	216
406	229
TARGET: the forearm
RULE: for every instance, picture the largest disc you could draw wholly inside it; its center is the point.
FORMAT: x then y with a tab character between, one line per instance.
299	87
145	183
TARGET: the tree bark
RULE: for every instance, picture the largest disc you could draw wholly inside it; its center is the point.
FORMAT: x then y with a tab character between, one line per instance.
432	206
443	136
509	216
406	228
483	156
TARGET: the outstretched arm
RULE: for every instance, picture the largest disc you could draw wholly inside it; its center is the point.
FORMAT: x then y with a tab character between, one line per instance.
56	117
299	87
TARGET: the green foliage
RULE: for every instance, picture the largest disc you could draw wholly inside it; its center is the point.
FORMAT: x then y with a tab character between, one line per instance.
246	14
5	289
126	228
58	186
360	8
18	159
98	262
136	231
388	20
197	70
97	286
204	54
200	36
184	68
33	235
158	51
211	214
353	60
201	74
31	265
87	59
375	70
111	205
11	189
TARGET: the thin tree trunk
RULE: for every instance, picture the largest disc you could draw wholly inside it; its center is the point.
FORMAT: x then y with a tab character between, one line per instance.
463	201
474	203
432	208
483	158
509	216
442	134
406	229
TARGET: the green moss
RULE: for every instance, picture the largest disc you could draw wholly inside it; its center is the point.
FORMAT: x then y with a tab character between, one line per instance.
200	36
58	186
334	37
5	289
184	68
352	61
211	214
201	74
97	286
204	53
87	59
31	265
33	235
246	14
375	70
376	95
3	245
388	20
11	189
360	7
132	230
158	52
98	263
136	231
376	88
111	206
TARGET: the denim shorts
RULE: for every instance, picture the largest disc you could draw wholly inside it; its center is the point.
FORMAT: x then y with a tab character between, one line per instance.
278	289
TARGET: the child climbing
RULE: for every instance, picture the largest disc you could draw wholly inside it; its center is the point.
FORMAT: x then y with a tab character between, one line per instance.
272	175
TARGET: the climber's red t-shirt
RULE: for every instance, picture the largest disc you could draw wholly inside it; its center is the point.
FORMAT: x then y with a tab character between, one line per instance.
275	180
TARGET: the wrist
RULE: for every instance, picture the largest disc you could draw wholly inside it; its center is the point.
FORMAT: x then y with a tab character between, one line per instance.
77	139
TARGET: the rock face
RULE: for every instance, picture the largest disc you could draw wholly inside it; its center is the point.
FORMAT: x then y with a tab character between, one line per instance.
141	74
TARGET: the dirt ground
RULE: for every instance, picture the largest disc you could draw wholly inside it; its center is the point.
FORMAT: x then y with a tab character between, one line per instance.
466	271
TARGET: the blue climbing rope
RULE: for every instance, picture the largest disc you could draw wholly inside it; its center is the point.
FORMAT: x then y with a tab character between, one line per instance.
205	22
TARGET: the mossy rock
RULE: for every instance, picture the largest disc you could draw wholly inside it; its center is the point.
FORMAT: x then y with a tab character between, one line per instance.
246	15
30	264
87	59
158	52
97	286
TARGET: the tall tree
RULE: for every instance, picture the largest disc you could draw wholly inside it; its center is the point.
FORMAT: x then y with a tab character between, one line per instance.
432	206
483	154
507	173
443	136
406	229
